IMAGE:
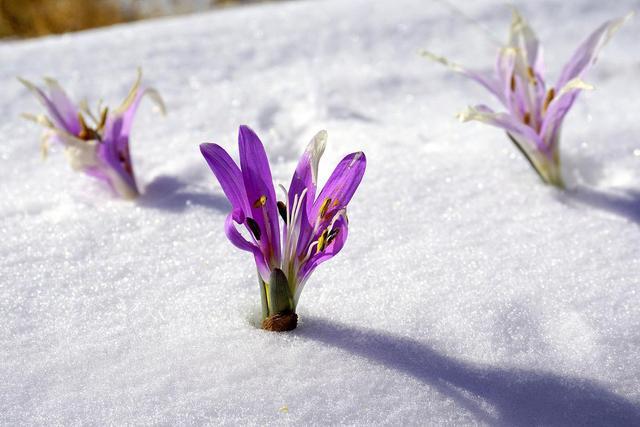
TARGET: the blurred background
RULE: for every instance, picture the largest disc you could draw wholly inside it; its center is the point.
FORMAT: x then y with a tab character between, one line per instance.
34	18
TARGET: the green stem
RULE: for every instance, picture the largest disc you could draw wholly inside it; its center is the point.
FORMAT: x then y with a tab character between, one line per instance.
263	297
548	171
275	296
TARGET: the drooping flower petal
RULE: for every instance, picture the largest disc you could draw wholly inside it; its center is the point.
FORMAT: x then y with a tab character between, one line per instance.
261	196
587	53
228	174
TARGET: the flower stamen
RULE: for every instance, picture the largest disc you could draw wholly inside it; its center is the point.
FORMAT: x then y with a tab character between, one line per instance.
254	227
262	200
322	241
324	206
550	95
332	235
282	210
531	75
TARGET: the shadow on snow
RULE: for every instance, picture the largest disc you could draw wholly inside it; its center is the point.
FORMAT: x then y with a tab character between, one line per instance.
520	397
170	194
624	203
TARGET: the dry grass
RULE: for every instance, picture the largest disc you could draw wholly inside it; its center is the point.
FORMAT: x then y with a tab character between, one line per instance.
32	18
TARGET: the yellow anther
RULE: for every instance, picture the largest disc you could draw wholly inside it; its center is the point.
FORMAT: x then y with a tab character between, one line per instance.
324	206
336	202
103	118
86	133
322	241
550	95
260	202
532	75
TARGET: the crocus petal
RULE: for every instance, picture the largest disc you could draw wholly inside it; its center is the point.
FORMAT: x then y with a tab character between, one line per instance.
559	107
523	39
228	174
329	252
114	151
62	111
90	158
82	155
587	54
115	147
487	81
484	114
129	106
306	177
342	183
504	70
334	197
258	183
306	174
240	242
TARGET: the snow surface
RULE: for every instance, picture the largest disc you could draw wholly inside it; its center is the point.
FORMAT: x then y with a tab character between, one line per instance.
468	293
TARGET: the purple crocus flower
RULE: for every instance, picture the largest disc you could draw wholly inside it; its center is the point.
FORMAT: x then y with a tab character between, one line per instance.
314	225
95	144
535	112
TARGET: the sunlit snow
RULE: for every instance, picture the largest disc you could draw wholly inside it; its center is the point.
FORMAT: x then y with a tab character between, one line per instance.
467	293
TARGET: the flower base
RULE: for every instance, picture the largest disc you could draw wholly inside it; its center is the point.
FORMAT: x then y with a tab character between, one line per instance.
280	322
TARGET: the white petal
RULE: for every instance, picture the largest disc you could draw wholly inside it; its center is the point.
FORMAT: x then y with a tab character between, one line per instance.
316	149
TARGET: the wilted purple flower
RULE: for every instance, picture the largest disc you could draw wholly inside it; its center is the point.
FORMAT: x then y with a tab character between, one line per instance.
314	226
534	112
95	144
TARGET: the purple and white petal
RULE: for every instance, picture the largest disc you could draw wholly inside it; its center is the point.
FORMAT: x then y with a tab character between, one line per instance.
62	111
306	173
331	250
341	185
129	106
240	242
587	53
559	107
505	121
505	65
261	196
228	174
523	39
483	78
114	151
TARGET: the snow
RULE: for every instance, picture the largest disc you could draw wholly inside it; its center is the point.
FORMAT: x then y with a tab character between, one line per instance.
468	293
